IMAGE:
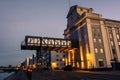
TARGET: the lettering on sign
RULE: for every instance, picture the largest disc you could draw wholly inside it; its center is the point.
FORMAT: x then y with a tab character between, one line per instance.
44	42
57	43
47	42
69	43
63	43
50	42
33	41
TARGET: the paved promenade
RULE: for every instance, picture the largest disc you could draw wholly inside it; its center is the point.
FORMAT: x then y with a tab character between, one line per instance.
76	75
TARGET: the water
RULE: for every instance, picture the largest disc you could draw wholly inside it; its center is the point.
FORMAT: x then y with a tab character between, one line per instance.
4	75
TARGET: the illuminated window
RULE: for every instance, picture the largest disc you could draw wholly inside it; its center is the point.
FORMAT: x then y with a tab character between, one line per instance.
100	40
96	50
112	43
118	36
119	43
101	51
94	39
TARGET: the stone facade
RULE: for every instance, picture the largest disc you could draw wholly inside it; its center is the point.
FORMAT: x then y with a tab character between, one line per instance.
97	38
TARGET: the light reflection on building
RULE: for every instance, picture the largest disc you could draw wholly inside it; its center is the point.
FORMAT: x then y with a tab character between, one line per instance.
96	38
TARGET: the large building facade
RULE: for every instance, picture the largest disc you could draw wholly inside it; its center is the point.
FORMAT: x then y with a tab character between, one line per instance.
97	39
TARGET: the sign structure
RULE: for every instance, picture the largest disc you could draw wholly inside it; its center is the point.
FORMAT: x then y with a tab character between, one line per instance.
45	43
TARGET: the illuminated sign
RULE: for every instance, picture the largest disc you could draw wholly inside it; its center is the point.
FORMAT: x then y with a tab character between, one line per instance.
47	42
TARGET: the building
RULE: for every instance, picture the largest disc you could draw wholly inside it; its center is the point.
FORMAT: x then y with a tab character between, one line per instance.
57	60
51	59
97	39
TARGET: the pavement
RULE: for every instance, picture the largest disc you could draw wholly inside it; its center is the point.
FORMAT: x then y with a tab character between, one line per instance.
101	72
20	75
76	75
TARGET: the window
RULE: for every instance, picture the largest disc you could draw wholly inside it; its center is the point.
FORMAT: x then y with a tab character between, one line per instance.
63	55
56	59
94	39
113	51
57	64
110	36
101	51
112	43
57	55
118	36
98	30
100	40
117	30
60	59
96	50
110	30
100	62
119	43
93	29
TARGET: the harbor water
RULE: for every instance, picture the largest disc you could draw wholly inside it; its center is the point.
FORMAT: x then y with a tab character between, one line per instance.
3	75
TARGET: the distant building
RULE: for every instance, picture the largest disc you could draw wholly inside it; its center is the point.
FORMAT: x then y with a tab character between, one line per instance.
34	58
97	39
27	62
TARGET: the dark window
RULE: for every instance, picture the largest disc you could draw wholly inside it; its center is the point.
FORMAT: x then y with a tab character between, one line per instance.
60	59
63	55
101	63
56	59
57	55
113	50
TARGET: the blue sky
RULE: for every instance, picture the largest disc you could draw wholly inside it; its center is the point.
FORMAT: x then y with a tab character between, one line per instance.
19	18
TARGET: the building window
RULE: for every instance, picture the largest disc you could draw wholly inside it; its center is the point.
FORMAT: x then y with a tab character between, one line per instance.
94	39
117	30
63	55
100	40
119	43
60	59
101	51
57	55
118	36
57	64
56	59
110	36
101	63
96	50
98	30
113	51
112	43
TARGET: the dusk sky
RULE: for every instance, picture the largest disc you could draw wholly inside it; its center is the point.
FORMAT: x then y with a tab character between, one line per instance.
46	18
